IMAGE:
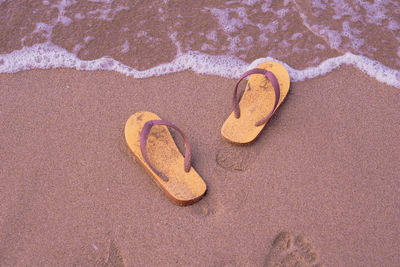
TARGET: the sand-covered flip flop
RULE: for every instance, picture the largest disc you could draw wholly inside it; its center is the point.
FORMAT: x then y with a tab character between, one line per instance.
151	143
267	87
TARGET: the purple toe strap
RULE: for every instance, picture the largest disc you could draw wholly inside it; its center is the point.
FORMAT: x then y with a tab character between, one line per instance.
271	77
143	145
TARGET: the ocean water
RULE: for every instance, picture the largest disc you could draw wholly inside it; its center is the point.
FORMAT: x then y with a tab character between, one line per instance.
225	38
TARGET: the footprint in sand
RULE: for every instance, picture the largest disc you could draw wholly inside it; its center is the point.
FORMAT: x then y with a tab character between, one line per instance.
288	251
114	256
234	158
203	208
99	256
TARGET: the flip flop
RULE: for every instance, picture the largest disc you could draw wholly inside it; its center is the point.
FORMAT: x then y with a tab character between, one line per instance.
267	87
155	149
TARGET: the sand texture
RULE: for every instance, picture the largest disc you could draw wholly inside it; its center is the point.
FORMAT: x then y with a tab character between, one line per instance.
319	186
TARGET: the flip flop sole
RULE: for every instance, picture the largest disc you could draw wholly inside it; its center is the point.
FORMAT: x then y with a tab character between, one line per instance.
183	188
257	101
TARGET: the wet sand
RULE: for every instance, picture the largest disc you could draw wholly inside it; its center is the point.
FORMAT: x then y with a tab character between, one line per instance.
320	185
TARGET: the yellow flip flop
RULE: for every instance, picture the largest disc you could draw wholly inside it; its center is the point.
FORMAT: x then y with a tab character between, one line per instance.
155	149
267	87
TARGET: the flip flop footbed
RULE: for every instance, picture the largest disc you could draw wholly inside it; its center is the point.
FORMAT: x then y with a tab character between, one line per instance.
182	187
257	101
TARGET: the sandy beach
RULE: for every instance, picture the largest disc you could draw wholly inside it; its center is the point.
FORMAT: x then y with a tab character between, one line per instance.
319	186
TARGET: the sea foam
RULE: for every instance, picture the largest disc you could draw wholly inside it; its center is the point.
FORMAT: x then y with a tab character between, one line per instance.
49	56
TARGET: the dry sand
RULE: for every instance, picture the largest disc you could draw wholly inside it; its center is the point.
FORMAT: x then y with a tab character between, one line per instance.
321	184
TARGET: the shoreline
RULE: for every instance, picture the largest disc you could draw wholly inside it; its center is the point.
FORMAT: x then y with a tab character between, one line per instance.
38	57
323	172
